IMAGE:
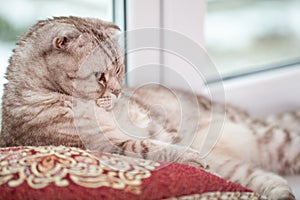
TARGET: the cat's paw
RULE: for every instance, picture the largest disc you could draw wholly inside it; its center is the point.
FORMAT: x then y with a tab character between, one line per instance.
281	193
193	159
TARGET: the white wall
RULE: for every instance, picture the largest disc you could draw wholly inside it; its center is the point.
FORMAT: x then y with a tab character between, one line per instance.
265	93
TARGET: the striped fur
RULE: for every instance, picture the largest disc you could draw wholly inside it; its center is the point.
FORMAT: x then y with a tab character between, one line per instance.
63	81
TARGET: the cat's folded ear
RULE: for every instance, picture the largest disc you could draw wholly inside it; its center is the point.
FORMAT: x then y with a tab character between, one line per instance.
113	29
64	39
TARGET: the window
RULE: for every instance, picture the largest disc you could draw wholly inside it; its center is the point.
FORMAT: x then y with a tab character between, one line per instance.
250	35
16	16
260	92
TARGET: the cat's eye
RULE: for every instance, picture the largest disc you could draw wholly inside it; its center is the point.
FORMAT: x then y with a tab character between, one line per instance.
118	71
100	76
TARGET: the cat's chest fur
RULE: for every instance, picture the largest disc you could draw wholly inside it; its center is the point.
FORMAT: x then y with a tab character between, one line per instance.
162	114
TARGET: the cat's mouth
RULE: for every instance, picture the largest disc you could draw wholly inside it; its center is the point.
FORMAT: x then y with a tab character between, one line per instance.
107	102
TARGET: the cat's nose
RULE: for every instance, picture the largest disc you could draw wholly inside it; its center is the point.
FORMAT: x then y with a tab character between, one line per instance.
116	92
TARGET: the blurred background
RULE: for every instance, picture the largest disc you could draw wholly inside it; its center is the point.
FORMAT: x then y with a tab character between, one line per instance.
243	35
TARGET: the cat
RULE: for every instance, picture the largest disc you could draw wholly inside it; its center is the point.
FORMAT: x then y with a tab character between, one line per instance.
64	88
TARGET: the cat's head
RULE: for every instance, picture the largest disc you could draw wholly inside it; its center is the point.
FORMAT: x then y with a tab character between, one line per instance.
75	56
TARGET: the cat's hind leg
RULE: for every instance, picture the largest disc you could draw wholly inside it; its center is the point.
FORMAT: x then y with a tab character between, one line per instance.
266	183
249	154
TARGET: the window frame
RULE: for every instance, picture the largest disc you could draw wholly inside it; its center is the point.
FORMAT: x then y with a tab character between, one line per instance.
259	92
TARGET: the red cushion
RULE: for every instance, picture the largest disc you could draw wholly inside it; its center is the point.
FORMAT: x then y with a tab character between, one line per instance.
71	173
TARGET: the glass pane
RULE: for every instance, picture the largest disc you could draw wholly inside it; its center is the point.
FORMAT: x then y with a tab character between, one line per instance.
16	16
246	35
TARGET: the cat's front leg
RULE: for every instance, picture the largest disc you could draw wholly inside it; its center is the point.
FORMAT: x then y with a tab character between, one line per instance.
113	141
159	151
114	138
184	155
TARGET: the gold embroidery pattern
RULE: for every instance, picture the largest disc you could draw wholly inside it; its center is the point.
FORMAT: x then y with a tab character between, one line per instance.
221	196
41	166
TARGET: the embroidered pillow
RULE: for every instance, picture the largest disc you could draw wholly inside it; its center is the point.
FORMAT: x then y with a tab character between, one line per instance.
49	172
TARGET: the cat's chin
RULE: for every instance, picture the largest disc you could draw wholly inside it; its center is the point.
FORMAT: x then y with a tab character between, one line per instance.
109	108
